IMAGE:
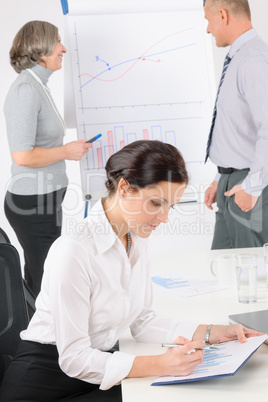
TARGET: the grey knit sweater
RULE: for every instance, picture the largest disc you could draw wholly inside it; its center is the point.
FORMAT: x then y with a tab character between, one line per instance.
32	122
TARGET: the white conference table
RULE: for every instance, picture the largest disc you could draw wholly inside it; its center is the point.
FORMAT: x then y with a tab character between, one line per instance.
210	308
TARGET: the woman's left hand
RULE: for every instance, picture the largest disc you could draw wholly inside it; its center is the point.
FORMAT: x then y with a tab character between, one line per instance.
224	333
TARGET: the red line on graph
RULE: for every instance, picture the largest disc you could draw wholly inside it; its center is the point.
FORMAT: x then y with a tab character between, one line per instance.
152	61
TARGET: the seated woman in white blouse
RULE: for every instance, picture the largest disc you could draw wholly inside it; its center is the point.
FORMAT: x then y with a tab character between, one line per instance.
97	283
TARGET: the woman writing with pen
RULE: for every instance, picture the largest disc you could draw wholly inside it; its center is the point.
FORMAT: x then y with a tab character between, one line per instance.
35	133
97	283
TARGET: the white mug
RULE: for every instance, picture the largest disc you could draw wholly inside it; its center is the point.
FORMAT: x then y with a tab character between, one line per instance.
223	267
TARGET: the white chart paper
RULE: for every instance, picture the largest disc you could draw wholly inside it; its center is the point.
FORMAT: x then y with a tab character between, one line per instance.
180	285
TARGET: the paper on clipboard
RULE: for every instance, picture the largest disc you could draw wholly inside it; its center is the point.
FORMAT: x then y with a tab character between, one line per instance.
225	361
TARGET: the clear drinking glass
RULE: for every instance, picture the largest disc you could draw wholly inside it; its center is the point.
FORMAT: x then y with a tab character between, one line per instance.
247	279
265	255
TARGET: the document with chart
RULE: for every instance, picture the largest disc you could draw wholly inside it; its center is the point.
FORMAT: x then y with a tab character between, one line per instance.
181	285
224	361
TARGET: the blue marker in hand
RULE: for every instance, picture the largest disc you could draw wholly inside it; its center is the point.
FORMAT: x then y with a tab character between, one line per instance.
94	138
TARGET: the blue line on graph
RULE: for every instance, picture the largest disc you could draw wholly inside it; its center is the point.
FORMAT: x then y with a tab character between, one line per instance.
167	51
98	59
135	59
107	149
119	136
131	137
169	135
157	133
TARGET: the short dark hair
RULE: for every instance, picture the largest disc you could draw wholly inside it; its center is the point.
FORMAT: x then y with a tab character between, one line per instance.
144	163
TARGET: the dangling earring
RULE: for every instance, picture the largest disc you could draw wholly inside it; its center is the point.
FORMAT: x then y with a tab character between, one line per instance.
122	196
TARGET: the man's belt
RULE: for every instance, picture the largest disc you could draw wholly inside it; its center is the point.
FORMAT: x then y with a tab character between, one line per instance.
223	170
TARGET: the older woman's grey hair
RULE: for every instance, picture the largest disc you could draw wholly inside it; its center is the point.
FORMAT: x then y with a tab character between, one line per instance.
34	40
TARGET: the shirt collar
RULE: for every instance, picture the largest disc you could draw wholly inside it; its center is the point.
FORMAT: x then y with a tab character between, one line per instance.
100	228
241	40
42	72
102	231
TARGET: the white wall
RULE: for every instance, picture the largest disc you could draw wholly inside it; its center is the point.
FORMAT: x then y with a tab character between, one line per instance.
192	226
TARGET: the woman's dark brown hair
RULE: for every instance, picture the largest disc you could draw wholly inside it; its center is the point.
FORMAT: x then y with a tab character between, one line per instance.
144	163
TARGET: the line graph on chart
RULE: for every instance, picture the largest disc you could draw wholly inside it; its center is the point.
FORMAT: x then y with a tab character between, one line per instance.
141	76
145	57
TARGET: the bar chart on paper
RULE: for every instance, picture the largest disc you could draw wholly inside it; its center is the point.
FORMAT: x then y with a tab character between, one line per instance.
141	76
117	138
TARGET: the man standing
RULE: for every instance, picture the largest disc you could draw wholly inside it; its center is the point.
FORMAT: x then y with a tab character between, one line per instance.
238	140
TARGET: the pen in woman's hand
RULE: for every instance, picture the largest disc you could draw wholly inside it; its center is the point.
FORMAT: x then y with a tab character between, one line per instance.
94	138
174	345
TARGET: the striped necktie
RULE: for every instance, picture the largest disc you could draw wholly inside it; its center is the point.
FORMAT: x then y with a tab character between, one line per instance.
225	66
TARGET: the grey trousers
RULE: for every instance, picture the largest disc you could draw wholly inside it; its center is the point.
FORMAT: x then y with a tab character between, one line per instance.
235	228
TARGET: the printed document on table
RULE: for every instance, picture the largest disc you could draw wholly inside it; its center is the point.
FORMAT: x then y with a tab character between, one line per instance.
224	361
183	285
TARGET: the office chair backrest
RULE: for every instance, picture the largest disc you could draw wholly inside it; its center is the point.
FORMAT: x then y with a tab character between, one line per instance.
30	298
13	311
3	237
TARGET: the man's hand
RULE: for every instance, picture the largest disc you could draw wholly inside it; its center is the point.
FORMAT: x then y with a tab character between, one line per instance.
210	194
244	201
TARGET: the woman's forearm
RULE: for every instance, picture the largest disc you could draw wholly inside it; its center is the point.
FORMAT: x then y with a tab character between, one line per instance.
39	157
177	361
146	366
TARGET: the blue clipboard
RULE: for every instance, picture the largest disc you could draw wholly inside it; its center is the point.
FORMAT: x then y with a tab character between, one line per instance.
216	359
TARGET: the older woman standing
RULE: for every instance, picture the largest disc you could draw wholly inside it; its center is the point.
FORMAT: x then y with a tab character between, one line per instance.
35	133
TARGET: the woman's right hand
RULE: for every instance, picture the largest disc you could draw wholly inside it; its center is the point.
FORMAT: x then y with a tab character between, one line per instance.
176	361
75	150
182	361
